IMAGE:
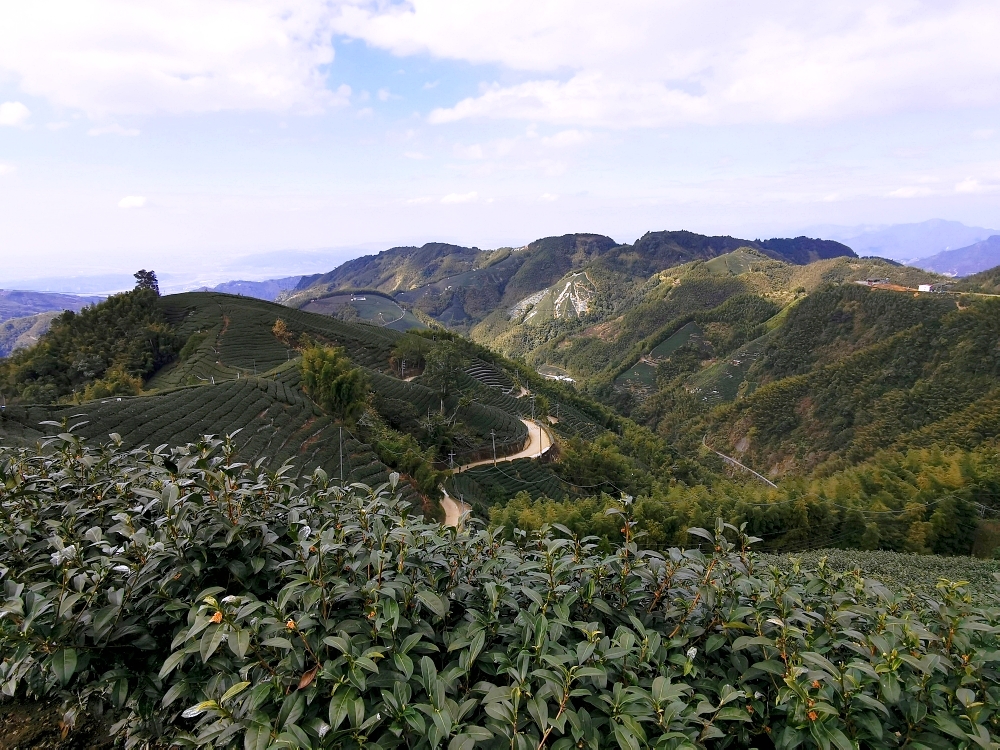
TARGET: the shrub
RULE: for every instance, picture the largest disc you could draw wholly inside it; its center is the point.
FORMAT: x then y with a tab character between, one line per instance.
333	382
213	604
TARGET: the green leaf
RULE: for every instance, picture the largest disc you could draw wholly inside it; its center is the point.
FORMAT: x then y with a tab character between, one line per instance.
341	702
64	664
890	688
238	642
235	690
171	662
210	641
732	713
626	740
771	666
258	737
965	696
433	602
277	643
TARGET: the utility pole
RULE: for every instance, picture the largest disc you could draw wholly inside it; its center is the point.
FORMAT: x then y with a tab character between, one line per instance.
451	460
493	434
341	455
532	408
255	368
402	370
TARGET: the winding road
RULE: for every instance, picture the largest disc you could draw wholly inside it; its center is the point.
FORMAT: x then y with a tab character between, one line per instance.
539	441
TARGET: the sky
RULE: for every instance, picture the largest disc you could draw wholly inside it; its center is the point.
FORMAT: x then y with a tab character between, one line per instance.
211	138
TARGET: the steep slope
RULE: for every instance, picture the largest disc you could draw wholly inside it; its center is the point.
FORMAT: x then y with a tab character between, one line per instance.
627	318
393	270
20	333
846	372
656	251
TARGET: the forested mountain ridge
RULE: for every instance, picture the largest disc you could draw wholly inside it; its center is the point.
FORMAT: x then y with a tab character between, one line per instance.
460	286
917	480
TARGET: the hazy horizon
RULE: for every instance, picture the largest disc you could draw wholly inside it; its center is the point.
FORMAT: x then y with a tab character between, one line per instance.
185	136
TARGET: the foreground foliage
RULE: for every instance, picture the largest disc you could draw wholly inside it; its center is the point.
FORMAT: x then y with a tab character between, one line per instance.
215	604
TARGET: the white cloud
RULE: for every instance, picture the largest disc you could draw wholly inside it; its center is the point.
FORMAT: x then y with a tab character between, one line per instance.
113	129
910	191
972	185
568	138
983	134
475	151
14	113
647	63
132	201
461	197
7	168
548	197
415	155
114	57
60	125
384	95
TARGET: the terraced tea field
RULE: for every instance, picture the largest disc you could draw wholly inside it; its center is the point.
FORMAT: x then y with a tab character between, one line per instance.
231	337
370	308
722	381
275	423
485	486
643	373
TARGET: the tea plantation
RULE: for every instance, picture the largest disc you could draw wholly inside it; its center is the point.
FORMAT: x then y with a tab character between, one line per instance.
201	601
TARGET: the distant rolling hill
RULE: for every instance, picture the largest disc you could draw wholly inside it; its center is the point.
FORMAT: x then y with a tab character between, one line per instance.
907	242
19	304
20	333
984	282
267	290
965	261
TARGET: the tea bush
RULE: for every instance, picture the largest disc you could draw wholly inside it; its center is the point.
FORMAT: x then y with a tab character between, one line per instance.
210	603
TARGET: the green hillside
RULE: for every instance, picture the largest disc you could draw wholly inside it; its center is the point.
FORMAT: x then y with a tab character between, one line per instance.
822	384
234	366
984	282
367	307
460	287
21	333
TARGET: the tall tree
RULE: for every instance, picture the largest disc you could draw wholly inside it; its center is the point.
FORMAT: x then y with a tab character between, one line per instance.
146	280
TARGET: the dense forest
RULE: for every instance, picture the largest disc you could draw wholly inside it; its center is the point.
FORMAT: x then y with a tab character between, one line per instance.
107	349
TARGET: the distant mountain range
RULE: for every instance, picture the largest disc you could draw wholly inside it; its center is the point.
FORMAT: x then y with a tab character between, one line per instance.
965	260
460	286
267	290
19	304
907	243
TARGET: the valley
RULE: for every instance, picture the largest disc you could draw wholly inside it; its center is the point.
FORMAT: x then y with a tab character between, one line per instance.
404	433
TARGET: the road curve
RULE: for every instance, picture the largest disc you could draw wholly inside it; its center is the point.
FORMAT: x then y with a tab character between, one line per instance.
539	441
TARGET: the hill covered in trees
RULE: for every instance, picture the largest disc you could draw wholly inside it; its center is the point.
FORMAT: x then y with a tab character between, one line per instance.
460	286
833	390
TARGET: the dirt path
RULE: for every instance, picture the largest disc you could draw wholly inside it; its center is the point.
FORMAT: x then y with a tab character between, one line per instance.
539	441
